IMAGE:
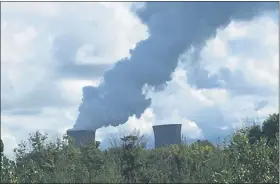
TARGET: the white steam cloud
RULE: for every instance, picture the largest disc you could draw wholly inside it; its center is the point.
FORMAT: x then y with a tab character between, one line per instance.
173	28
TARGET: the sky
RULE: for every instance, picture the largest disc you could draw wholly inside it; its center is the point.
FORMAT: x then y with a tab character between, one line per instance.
233	78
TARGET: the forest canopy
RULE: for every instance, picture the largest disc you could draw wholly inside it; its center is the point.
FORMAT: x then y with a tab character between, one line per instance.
250	155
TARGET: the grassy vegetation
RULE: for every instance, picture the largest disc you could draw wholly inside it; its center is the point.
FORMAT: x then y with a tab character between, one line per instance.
251	155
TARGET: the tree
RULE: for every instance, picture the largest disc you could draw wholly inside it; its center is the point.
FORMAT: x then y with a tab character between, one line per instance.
271	127
92	159
131	163
1	146
254	134
245	158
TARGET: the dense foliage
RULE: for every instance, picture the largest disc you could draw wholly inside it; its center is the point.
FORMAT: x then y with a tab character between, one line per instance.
250	155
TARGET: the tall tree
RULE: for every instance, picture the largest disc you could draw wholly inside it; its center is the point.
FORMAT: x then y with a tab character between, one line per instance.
1	146
255	133
271	127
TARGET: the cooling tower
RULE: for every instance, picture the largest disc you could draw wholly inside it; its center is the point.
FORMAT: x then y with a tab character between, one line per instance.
81	137
167	134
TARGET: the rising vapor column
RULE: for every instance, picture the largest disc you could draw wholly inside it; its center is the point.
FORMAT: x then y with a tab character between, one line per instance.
174	27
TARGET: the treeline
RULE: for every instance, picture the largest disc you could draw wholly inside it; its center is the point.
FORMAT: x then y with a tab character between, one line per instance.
250	155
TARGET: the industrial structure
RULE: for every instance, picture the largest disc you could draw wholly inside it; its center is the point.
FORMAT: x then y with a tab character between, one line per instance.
164	135
81	137
167	134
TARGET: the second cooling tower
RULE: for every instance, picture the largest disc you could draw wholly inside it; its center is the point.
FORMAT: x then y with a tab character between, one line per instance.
167	134
81	137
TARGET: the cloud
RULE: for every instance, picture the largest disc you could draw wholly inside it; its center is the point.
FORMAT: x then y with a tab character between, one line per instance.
41	48
9	140
48	54
120	96
228	84
252	66
42	71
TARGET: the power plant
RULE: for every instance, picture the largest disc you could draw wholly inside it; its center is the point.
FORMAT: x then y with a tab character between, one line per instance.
164	135
167	134
81	137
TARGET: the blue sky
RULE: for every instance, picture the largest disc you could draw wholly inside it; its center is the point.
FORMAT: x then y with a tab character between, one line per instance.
48	54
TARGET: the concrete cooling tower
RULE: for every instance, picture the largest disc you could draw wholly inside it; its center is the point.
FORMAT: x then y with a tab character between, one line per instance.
167	134
81	137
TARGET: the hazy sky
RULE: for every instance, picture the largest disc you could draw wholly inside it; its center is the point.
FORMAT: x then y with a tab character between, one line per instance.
234	76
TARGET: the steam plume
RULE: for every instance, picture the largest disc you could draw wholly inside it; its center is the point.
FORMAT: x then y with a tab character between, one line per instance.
173	28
